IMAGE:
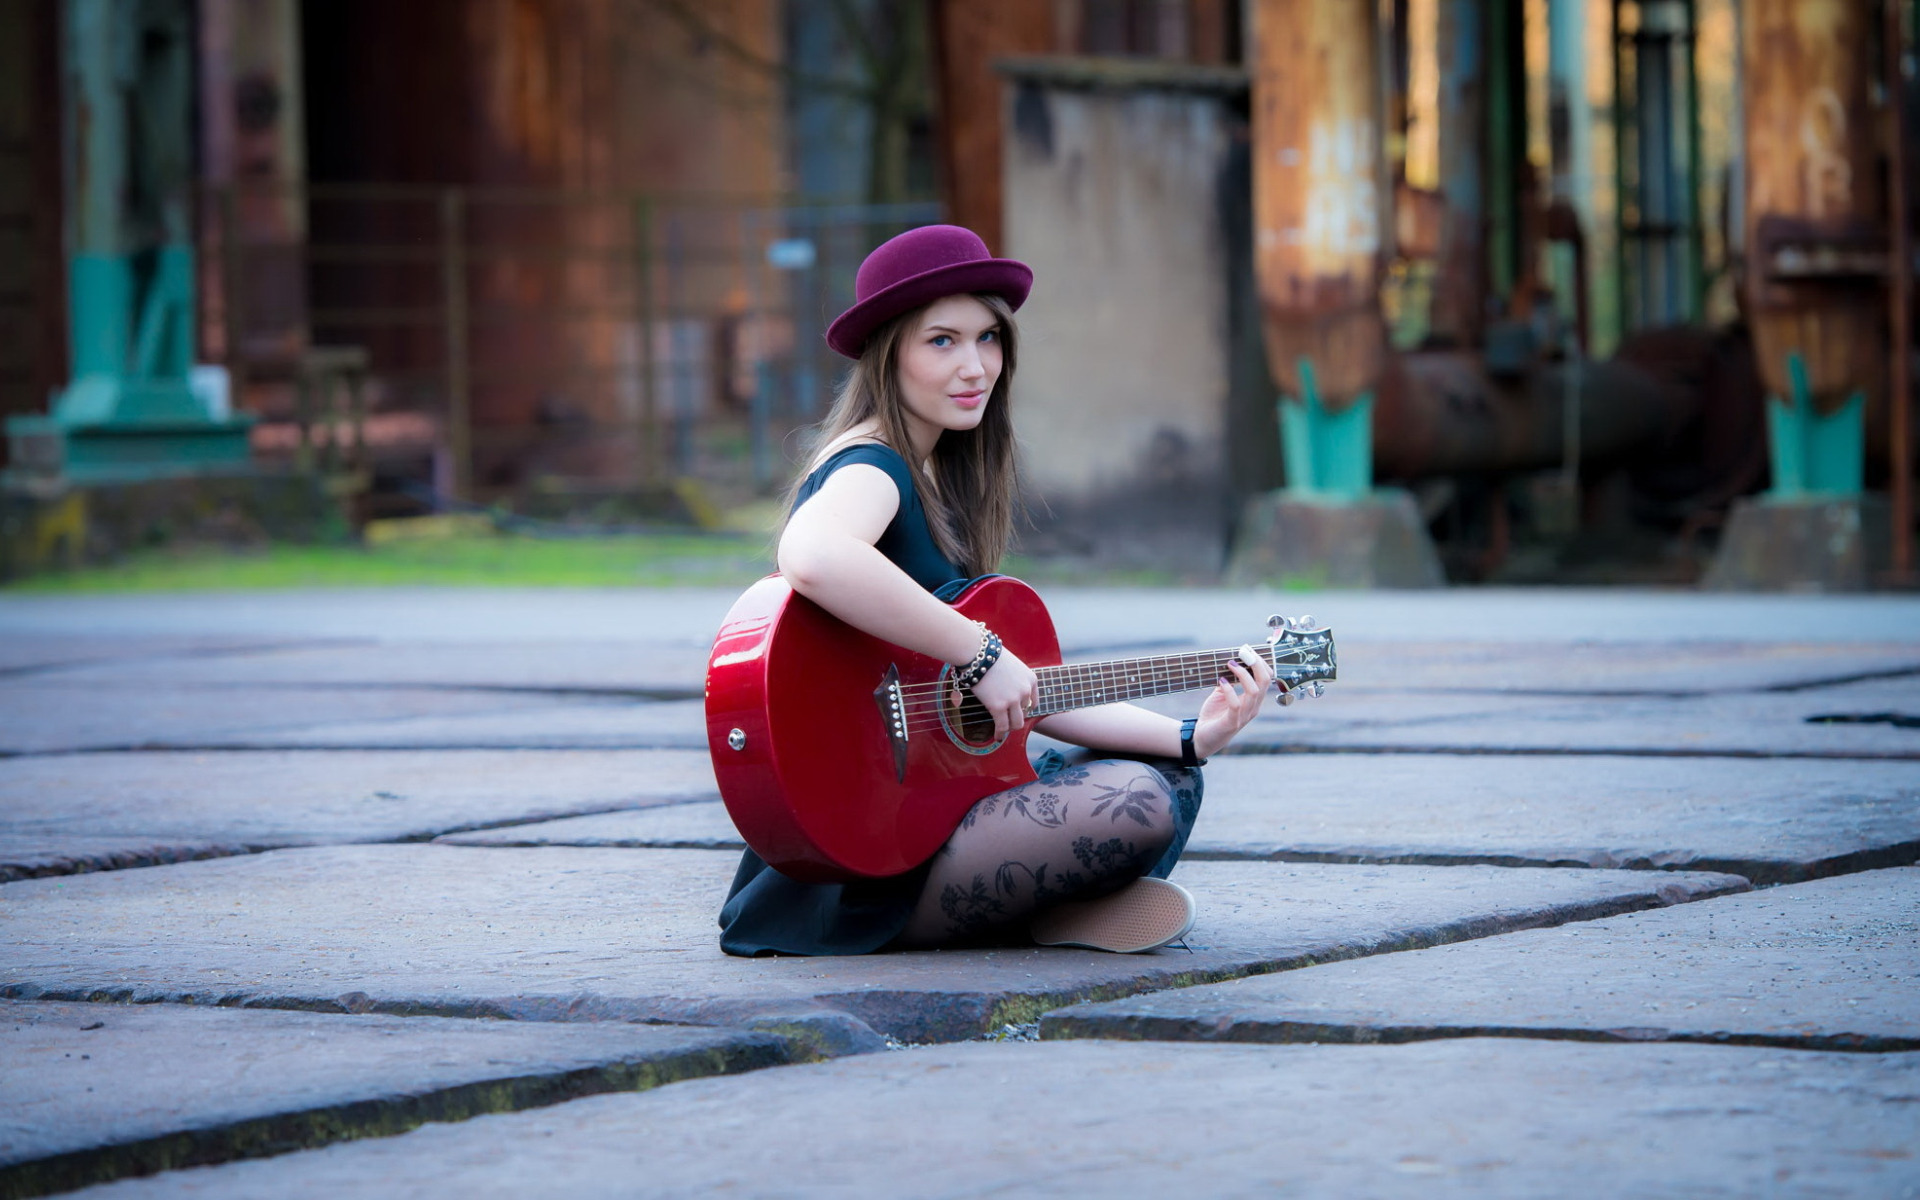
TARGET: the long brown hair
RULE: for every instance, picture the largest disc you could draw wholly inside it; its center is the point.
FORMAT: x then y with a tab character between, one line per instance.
976	473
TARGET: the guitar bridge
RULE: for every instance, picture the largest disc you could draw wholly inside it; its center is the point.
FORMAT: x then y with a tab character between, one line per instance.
893	718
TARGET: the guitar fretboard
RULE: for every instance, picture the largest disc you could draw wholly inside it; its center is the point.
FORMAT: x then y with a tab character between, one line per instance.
1083	685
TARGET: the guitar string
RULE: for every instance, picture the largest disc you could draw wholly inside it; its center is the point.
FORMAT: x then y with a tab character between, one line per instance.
1062	696
923	716
1200	658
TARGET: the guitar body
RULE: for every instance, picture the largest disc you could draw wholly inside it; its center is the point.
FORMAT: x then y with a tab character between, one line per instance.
801	744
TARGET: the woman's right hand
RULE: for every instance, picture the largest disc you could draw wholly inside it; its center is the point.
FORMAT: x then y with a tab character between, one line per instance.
1008	692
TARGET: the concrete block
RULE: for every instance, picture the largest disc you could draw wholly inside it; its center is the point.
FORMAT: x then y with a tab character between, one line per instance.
1487	1117
1772	821
1833	545
630	935
1379	541
94	1092
1827	965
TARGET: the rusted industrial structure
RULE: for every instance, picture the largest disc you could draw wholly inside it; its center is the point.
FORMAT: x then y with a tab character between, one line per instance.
1564	284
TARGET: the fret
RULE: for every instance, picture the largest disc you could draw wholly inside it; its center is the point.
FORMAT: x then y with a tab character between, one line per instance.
1083	685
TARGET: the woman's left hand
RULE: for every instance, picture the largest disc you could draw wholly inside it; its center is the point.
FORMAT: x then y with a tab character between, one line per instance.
1227	710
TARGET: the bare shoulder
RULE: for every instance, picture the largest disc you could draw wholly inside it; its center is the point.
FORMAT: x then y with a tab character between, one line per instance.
856	485
845	441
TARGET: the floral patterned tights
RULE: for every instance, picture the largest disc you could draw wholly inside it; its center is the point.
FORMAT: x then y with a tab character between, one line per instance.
1077	832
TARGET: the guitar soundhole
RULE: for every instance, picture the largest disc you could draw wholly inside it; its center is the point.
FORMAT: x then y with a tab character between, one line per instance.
968	724
975	723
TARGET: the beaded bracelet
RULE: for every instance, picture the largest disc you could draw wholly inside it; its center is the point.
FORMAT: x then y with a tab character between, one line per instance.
969	675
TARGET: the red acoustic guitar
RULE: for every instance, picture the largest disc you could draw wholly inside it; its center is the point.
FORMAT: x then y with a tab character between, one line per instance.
842	757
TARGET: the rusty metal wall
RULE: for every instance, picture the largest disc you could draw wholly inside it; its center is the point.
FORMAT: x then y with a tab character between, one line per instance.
969	35
1461	284
252	128
1815	217
33	295
553	116
1319	201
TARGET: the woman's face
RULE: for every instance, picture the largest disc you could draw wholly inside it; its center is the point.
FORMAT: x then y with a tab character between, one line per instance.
948	366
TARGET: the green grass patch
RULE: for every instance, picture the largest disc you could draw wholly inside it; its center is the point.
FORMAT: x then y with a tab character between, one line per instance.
504	561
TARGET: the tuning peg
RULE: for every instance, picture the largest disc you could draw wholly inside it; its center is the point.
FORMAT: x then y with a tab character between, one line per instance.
1316	689
1286	696
1276	622
1303	624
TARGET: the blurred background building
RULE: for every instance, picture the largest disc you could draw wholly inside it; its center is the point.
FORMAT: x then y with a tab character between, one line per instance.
1498	288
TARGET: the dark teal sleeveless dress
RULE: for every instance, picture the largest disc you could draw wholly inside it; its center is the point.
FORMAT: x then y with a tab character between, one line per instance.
768	913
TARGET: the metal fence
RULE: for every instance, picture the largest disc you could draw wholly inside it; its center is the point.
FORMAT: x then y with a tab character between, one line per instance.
538	339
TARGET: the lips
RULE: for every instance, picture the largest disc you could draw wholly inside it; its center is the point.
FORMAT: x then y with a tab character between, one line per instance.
969	399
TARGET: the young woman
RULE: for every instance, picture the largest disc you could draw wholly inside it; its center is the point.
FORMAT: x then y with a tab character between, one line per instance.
912	487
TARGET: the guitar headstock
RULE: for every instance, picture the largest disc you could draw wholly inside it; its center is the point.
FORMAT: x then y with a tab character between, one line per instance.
1302	655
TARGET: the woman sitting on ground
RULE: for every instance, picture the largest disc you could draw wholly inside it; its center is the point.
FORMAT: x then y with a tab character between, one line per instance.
912	487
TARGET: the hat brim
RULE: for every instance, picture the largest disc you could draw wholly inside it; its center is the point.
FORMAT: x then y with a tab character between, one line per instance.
1007	278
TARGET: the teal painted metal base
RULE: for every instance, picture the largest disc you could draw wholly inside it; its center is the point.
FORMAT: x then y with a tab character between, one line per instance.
1328	456
131	412
125	451
1815	455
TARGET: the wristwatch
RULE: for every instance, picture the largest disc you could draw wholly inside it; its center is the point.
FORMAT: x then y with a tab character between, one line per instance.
1187	756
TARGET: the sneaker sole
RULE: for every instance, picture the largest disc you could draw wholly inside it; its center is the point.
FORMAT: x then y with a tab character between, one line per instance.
1145	915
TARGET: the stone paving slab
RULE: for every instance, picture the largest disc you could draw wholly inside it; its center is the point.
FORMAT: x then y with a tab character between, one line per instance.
1830	965
554	724
37	716
48	653
84	812
1771	821
646	664
1626	668
1211	616
612	666
698	826
29	857
567	933
1752	724
90	1092
1483	1118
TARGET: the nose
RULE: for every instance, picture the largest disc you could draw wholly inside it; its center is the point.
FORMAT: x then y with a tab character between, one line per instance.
971	367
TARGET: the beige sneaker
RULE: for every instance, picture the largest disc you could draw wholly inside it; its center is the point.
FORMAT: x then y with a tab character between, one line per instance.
1145	915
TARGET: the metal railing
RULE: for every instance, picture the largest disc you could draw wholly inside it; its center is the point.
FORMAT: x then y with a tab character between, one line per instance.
605	340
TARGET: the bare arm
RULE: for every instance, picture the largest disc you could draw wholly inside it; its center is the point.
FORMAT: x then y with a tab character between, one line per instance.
827	553
1130	729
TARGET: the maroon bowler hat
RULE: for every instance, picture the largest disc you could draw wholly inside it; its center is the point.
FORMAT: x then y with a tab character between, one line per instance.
915	269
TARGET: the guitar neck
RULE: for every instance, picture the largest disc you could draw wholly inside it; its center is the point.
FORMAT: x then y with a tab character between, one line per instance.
1083	685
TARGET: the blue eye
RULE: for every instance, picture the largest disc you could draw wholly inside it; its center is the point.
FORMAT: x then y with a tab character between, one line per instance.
942	340
991	335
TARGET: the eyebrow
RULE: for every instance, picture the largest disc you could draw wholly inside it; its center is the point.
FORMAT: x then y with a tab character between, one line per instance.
952	330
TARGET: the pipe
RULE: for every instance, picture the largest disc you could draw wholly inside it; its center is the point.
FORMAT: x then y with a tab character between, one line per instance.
1440	413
